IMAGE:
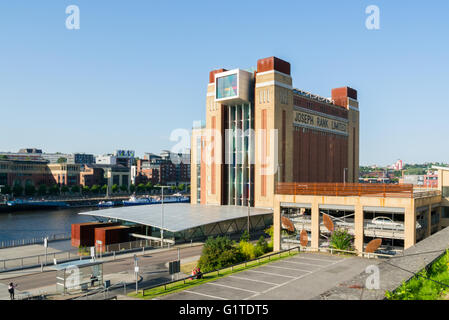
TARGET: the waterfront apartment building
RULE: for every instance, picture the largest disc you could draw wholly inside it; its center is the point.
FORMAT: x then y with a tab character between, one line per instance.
64	173
297	136
165	169
105	174
21	171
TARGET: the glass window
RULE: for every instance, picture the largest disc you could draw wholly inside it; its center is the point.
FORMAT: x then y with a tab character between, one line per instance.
445	212
227	86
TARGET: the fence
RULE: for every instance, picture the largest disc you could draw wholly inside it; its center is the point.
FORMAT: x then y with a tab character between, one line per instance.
103	293
75	254
31	241
346	189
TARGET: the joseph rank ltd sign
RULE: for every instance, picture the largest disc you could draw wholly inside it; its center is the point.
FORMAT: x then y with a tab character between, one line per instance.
319	122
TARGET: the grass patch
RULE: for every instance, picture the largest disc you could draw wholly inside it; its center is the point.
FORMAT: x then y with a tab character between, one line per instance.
421	288
180	286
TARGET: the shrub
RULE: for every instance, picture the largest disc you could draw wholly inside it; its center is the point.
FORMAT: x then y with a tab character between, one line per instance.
341	240
248	250
219	252
270	232
261	246
245	236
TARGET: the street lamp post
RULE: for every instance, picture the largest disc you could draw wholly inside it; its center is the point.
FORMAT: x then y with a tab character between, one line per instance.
162	215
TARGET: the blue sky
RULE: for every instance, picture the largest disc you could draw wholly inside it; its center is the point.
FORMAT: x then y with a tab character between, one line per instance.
136	70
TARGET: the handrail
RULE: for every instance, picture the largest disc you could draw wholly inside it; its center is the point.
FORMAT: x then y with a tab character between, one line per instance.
346	189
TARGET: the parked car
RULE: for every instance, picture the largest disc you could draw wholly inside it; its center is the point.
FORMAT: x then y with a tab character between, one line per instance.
385	222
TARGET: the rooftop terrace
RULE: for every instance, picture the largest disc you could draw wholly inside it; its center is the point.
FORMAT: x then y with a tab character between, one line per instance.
355	189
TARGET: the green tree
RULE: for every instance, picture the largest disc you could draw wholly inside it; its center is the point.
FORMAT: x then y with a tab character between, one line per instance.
245	236
95	189
17	190
148	186
261	246
182	187
3	157
42	190
132	188
30	190
65	189
218	253
341	240
62	160
104	188
114	188
123	188
86	190
53	190
248	250
75	189
140	187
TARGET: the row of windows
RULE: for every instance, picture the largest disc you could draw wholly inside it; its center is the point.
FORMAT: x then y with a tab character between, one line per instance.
264	96
318	132
212	105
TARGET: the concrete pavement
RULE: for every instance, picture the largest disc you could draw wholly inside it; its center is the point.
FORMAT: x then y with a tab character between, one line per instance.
299	277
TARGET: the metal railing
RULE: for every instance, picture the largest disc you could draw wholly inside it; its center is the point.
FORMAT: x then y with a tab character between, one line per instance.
42	260
31	241
346	189
102	293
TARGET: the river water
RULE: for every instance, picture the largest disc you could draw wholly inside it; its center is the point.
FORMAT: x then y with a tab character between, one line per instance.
40	223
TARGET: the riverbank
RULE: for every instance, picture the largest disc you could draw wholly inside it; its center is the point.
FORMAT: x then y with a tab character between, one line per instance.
30	204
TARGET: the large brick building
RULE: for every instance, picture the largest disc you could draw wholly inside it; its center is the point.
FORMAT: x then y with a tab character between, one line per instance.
261	130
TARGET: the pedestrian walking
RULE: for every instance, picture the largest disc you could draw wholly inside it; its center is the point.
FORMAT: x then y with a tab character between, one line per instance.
11	288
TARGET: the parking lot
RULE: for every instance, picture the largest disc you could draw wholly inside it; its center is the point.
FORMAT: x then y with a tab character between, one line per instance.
303	276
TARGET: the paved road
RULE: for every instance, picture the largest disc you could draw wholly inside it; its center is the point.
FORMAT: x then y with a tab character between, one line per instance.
299	277
152	269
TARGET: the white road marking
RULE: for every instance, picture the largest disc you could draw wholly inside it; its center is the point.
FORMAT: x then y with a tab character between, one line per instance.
323	260
206	295
230	287
271	274
287	282
301	264
241	278
288	268
310	264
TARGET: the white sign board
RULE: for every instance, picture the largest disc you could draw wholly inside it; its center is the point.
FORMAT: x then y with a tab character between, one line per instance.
136	269
92	252
45	242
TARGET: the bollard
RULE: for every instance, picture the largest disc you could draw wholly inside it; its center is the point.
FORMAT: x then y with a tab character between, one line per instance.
113	255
